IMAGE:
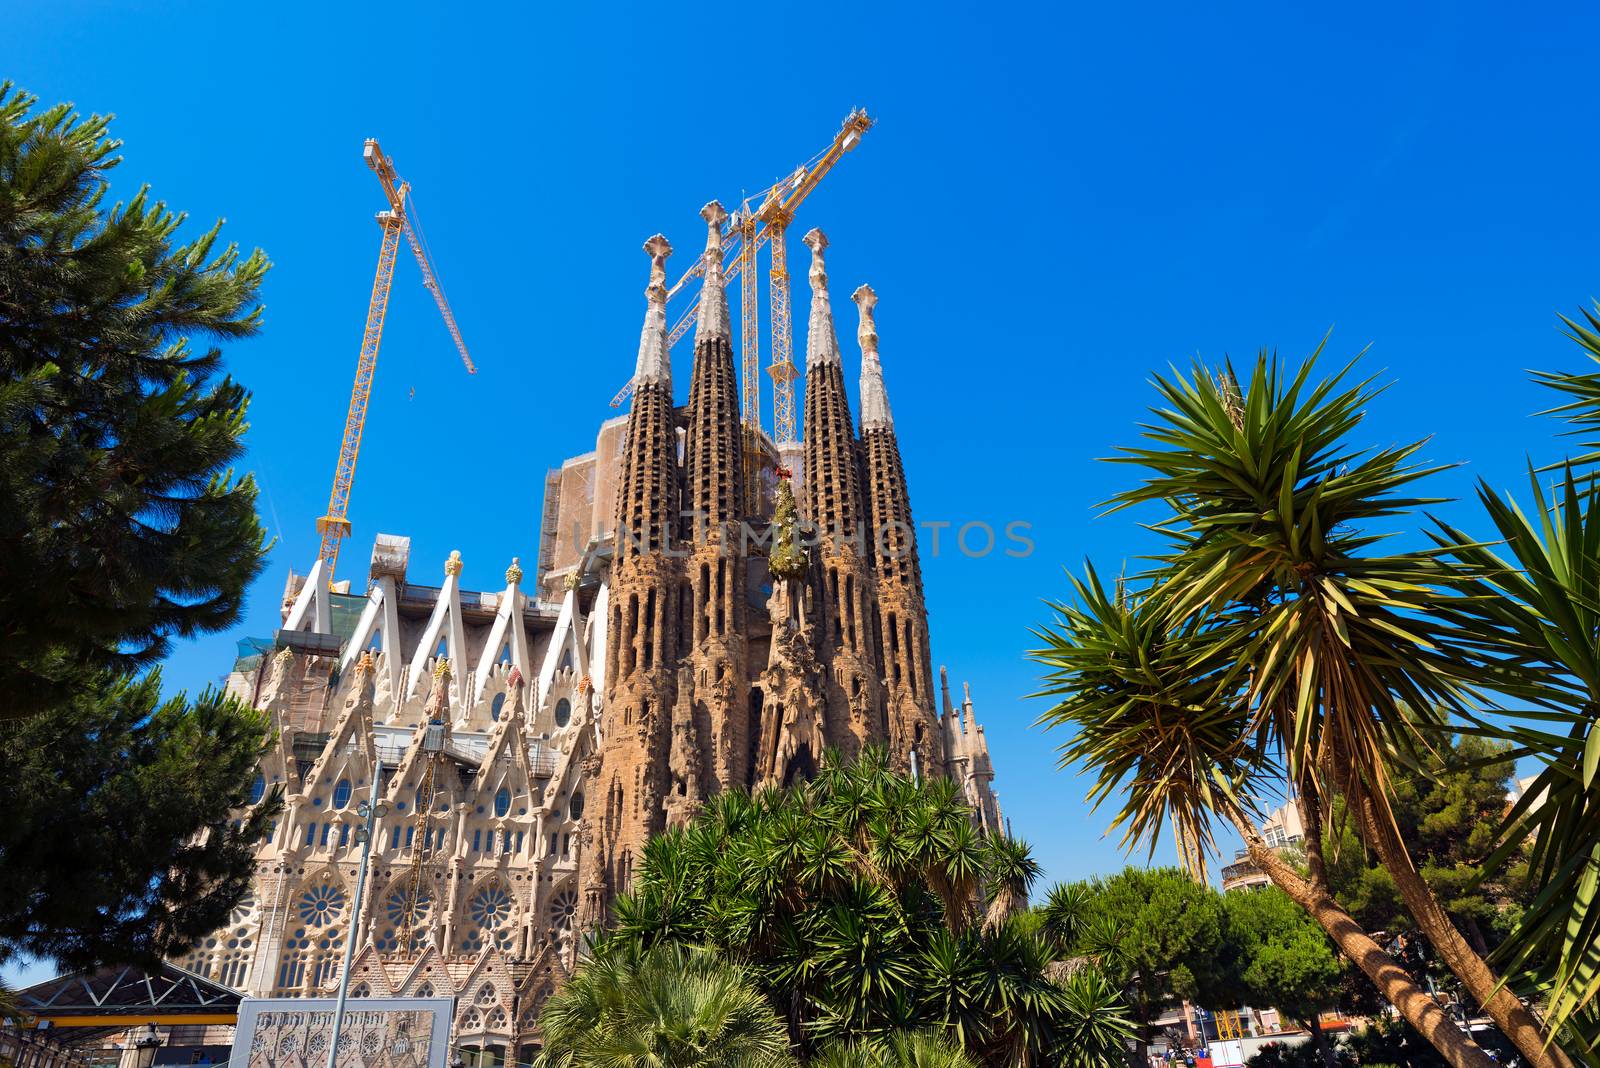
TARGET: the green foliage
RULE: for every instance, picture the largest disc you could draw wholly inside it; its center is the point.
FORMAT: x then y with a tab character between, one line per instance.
1449	810
1391	1041
103	798
1276	528
903	1049
865	904
121	528
1147	701
121	525
1535	608
1301	1055
668	1007
1156	933
1276	954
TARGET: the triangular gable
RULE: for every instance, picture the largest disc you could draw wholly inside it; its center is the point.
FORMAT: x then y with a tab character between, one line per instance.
354	725
565	643
380	620
446	623
312	610
507	633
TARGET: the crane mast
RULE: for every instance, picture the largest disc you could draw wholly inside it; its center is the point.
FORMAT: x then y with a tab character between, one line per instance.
753	230
335	525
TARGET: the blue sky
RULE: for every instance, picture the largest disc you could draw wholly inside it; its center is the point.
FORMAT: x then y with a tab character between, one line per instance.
1055	202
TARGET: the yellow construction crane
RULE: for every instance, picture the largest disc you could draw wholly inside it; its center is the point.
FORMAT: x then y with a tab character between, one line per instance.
748	230
399	219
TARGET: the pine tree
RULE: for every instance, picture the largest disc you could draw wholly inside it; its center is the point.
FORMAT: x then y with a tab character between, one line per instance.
121	524
126	833
118	842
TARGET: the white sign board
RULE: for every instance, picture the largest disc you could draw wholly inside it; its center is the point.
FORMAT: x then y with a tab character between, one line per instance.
377	1033
1227	1054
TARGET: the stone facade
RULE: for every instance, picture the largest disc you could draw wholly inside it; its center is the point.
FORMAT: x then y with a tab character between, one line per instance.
524	745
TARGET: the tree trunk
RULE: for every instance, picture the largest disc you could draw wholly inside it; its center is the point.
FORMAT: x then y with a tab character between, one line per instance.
1413	1003
1508	1012
1319	1041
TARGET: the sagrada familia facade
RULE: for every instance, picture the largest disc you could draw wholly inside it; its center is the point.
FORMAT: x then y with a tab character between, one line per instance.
682	636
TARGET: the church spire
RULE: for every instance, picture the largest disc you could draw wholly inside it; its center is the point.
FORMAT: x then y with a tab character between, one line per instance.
713	315
654	366
822	344
874	398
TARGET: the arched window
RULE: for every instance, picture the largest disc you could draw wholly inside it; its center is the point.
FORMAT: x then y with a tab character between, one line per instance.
575	810
563	712
258	788
361	990
496	706
502	802
341	793
424	991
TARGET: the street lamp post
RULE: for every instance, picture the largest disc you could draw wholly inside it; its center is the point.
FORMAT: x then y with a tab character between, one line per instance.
141	1052
371	811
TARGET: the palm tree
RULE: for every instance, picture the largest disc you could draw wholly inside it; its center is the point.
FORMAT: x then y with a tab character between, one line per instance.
1161	717
904	1049
668	1007
1351	664
864	904
1535	606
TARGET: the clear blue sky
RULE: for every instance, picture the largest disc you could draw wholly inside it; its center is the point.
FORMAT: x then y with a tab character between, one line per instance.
1054	203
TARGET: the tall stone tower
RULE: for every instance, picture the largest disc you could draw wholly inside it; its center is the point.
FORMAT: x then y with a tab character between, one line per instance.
714	719
903	636
585	712
628	769
846	627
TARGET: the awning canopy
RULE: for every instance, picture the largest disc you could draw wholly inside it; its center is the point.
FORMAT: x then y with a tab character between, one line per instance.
118	997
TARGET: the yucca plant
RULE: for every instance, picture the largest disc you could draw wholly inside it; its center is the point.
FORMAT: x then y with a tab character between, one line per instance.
907	1049
667	1007
1160	717
1351	665
864	904
1534	603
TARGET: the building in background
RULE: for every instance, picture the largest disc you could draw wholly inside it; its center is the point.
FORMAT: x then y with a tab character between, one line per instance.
1281	830
527	741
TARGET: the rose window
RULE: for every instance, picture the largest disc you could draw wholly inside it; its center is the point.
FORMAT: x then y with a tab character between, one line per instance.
564	908
321	904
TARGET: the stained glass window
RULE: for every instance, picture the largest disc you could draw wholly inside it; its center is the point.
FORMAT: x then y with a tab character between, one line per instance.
341	793
563	712
502	802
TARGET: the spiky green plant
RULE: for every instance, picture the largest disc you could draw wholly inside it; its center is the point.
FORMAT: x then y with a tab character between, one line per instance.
1277	524
856	900
667	1007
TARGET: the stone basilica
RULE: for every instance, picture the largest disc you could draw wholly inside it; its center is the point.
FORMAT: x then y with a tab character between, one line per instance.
711	610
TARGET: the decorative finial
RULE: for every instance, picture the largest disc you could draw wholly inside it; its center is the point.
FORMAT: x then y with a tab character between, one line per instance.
715	215
514	679
452	566
284	656
822	344
364	665
514	572
573	580
659	248
874	397
441	670
816	241
653	366
712	318
867	332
